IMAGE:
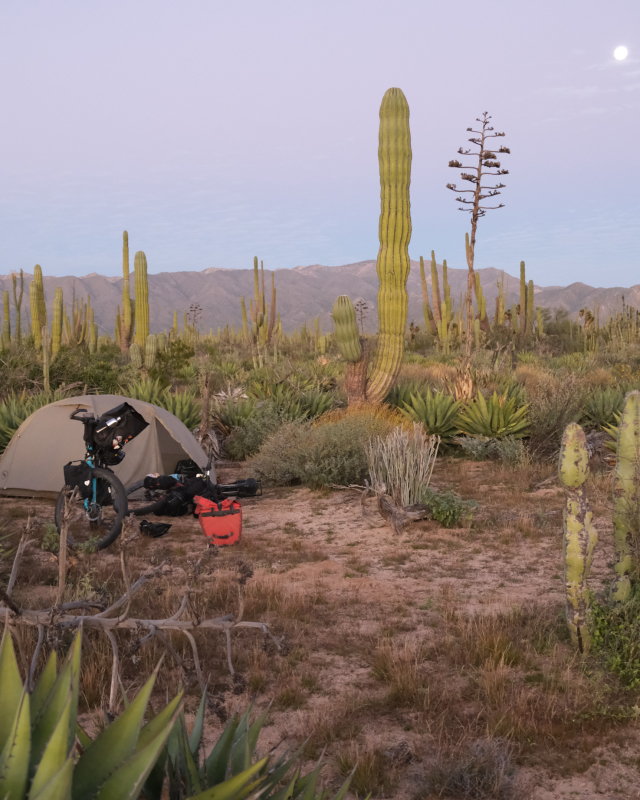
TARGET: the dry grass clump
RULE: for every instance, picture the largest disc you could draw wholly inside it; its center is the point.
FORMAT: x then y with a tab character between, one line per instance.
474	770
402	668
371	773
434	373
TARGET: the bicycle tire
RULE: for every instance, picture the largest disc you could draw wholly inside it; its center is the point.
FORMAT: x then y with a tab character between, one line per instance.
113	522
151	508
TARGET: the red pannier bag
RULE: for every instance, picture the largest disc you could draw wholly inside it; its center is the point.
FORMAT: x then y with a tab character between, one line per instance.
221	522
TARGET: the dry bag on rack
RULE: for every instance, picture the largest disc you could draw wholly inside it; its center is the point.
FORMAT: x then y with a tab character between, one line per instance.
118	426
221	522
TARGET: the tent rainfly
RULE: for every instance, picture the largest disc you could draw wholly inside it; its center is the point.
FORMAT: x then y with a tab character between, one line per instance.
31	466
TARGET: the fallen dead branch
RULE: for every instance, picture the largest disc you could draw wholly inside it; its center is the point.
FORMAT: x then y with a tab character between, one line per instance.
64	616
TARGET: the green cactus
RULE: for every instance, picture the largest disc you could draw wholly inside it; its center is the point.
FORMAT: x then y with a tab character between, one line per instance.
580	536
42	307
523	300
93	333
476	329
322	345
6	324
46	359
162	342
135	354
117	332
17	299
530	308
626	496
272	308
175	324
36	325
151	350
56	324
501	302
245	325
540	323
346	329
142	299
514	318
257	305
126	325
394	230
435	290
429	321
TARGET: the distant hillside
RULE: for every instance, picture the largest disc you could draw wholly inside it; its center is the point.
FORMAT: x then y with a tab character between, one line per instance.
302	293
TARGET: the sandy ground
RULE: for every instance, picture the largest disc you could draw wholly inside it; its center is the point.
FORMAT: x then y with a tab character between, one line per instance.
371	583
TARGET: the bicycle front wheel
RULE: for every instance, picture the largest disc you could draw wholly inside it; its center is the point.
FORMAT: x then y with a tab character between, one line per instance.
95	523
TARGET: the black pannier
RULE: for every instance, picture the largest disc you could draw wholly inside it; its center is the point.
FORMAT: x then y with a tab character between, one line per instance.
117	427
78	475
188	468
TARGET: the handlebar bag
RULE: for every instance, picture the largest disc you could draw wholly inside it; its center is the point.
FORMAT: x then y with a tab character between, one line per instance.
221	522
118	426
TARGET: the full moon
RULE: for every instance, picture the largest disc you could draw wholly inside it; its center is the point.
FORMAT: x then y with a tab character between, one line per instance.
620	53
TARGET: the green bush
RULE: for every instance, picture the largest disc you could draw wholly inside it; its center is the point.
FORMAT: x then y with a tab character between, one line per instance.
248	437
448	508
616	634
14	410
322	454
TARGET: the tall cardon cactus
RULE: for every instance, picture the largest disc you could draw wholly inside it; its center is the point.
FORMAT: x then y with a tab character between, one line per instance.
46	358
142	299
126	321
42	306
56	324
36	322
626	497
17	300
394	231
429	321
580	536
151	350
6	323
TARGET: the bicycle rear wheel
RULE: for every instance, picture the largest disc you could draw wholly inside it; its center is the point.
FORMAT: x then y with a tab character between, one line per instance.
95	524
143	501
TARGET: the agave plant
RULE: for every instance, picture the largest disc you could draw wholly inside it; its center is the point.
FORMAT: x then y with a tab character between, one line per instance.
230	415
602	408
14	410
437	412
612	431
183	405
316	403
228	771
39	732
147	390
495	419
400	393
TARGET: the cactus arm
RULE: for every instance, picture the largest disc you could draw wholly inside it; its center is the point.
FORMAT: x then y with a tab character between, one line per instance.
580	536
126	322
42	307
256	290
272	310
245	325
626	496
435	289
142	299
35	314
394	230
56	324
429	320
17	300
530	308
44	336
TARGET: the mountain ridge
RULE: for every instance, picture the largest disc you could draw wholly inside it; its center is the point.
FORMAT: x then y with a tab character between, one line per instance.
302	293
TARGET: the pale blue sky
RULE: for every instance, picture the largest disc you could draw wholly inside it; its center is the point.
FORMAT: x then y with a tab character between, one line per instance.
216	131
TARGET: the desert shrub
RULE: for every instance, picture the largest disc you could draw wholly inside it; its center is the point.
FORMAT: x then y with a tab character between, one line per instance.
247	437
556	403
511	451
448	508
332	451
616	634
403	461
170	362
477	448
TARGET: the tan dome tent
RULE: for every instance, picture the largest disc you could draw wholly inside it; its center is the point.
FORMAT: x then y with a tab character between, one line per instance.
31	466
